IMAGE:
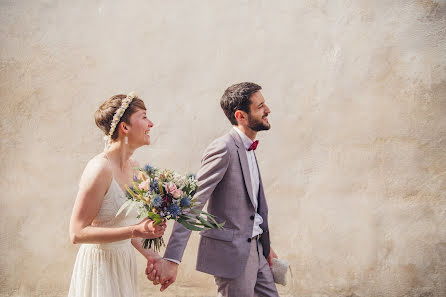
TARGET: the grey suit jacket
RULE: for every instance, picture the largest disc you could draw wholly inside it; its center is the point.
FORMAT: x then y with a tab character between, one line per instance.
224	182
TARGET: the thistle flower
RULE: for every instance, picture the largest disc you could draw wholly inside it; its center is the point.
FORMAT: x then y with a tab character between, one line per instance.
174	210
149	169
185	202
156	201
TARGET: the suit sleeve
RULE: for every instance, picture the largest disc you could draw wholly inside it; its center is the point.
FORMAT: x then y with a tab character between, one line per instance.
214	164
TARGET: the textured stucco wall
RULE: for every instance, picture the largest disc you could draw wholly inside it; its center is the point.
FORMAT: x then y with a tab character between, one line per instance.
354	165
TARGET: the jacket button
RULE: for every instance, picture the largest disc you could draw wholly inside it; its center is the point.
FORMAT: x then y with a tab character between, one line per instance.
252	218
249	239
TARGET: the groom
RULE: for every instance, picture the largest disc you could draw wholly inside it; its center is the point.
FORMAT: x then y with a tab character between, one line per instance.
229	180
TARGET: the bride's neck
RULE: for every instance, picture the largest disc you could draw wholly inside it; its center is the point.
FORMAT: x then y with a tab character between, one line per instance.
120	153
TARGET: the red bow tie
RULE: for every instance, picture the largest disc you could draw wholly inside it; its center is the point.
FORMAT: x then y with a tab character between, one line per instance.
253	145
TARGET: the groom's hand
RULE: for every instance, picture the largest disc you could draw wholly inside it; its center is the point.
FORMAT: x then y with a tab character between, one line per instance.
162	272
152	269
169	272
272	255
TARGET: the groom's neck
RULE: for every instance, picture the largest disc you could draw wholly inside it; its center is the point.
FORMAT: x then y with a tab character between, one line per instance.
248	132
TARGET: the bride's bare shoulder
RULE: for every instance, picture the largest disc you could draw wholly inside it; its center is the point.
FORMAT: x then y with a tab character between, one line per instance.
98	170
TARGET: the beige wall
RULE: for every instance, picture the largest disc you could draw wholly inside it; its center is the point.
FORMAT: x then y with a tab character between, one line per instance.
354	165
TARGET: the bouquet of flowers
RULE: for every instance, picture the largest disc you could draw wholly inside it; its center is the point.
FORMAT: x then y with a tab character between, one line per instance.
165	194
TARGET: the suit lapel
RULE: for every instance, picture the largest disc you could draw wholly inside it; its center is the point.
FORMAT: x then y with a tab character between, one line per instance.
243	163
262	207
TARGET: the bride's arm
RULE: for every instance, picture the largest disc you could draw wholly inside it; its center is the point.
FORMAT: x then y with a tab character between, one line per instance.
95	181
149	254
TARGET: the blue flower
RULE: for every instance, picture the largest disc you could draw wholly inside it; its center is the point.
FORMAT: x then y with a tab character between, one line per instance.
154	185
149	169
135	178
174	210
185	202
156	201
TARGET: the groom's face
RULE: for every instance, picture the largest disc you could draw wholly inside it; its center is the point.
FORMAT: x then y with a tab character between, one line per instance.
258	113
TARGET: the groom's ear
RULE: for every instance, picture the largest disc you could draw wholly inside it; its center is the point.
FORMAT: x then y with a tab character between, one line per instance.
240	115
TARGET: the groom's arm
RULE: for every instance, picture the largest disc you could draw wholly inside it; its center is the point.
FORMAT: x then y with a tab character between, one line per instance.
214	164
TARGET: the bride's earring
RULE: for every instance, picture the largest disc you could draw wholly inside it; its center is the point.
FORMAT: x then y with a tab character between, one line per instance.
126	140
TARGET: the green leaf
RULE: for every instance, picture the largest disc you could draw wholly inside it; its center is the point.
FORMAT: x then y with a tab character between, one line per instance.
205	223
207	214
153	216
187	217
191	220
158	221
219	226
189	226
210	217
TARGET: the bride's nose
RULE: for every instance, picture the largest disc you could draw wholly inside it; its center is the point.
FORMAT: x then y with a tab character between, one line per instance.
150	124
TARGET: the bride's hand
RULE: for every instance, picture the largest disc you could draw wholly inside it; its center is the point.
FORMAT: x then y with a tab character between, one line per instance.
147	229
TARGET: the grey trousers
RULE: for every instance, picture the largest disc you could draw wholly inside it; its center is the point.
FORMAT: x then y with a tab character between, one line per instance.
256	279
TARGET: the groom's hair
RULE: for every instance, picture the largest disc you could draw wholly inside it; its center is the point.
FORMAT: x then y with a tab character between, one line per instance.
237	97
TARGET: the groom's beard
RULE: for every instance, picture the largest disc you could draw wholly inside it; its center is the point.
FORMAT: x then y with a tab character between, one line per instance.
257	125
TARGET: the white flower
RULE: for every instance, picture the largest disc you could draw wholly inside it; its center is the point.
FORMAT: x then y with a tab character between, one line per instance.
118	114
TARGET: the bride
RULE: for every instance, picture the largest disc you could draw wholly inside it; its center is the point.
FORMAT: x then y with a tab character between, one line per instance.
105	264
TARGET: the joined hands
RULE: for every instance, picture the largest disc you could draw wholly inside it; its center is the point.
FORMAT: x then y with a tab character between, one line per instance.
161	271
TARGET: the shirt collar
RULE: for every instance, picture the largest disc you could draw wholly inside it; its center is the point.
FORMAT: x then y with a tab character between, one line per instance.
245	139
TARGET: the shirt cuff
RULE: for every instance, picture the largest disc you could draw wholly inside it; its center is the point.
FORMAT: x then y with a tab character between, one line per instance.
172	260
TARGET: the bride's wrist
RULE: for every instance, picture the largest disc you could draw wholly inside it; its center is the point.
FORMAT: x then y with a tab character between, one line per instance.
151	255
132	230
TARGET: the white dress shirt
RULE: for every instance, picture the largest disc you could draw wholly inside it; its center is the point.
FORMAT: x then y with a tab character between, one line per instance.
255	180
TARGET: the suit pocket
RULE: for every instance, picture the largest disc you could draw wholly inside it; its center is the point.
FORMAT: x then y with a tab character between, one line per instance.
220	234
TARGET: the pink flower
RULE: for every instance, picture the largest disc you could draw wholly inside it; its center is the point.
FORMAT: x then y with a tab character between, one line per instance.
170	187
177	193
144	185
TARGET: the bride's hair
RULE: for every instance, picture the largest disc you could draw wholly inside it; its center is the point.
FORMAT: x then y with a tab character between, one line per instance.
104	115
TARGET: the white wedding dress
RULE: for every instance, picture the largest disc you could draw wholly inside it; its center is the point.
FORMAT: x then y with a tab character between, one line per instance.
107	270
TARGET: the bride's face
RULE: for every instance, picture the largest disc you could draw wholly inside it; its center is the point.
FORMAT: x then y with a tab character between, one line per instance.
139	129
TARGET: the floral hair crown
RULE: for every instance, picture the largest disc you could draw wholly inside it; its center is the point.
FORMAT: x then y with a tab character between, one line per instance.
117	116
